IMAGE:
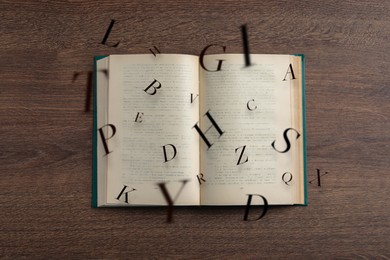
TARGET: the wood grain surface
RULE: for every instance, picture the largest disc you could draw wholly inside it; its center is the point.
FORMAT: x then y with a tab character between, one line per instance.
46	136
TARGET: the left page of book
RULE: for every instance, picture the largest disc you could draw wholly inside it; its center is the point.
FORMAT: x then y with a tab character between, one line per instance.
150	106
100	119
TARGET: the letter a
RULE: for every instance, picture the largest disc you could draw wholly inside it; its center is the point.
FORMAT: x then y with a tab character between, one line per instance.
289	70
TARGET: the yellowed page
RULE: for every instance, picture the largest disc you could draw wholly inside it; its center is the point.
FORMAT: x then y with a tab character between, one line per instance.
137	158
297	94
102	119
225	94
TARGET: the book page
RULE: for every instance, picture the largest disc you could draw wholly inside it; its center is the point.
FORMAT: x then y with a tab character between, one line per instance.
252	107
298	120
150	105
101	120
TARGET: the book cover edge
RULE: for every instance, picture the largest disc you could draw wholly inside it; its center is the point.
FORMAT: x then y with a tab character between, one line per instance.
305	177
94	134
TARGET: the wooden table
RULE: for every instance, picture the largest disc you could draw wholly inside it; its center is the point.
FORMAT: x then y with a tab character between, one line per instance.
46	134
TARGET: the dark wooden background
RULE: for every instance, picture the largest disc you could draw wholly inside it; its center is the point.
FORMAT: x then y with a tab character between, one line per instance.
46	136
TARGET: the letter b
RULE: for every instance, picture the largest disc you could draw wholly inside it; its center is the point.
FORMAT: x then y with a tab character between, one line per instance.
154	88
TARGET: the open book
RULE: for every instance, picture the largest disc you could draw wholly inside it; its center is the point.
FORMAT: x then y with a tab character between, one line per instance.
207	135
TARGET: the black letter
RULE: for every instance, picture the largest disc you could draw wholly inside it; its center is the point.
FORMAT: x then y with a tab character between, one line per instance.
108	33
284	174
249	204
200	178
105	71
292	73
139	115
287	141
202	55
126	193
192	100
106	139
165	152
154	88
203	134
247	105
89	88
246	45
169	199
319	177
242	152
153	52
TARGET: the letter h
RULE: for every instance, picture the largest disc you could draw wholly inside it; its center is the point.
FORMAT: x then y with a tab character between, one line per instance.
202	134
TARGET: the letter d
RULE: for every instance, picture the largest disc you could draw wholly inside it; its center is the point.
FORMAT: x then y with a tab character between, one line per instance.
165	152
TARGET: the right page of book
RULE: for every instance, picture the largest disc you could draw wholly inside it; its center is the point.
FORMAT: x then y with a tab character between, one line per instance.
251	129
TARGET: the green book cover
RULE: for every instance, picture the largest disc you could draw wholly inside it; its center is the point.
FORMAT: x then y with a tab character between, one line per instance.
305	173
94	135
